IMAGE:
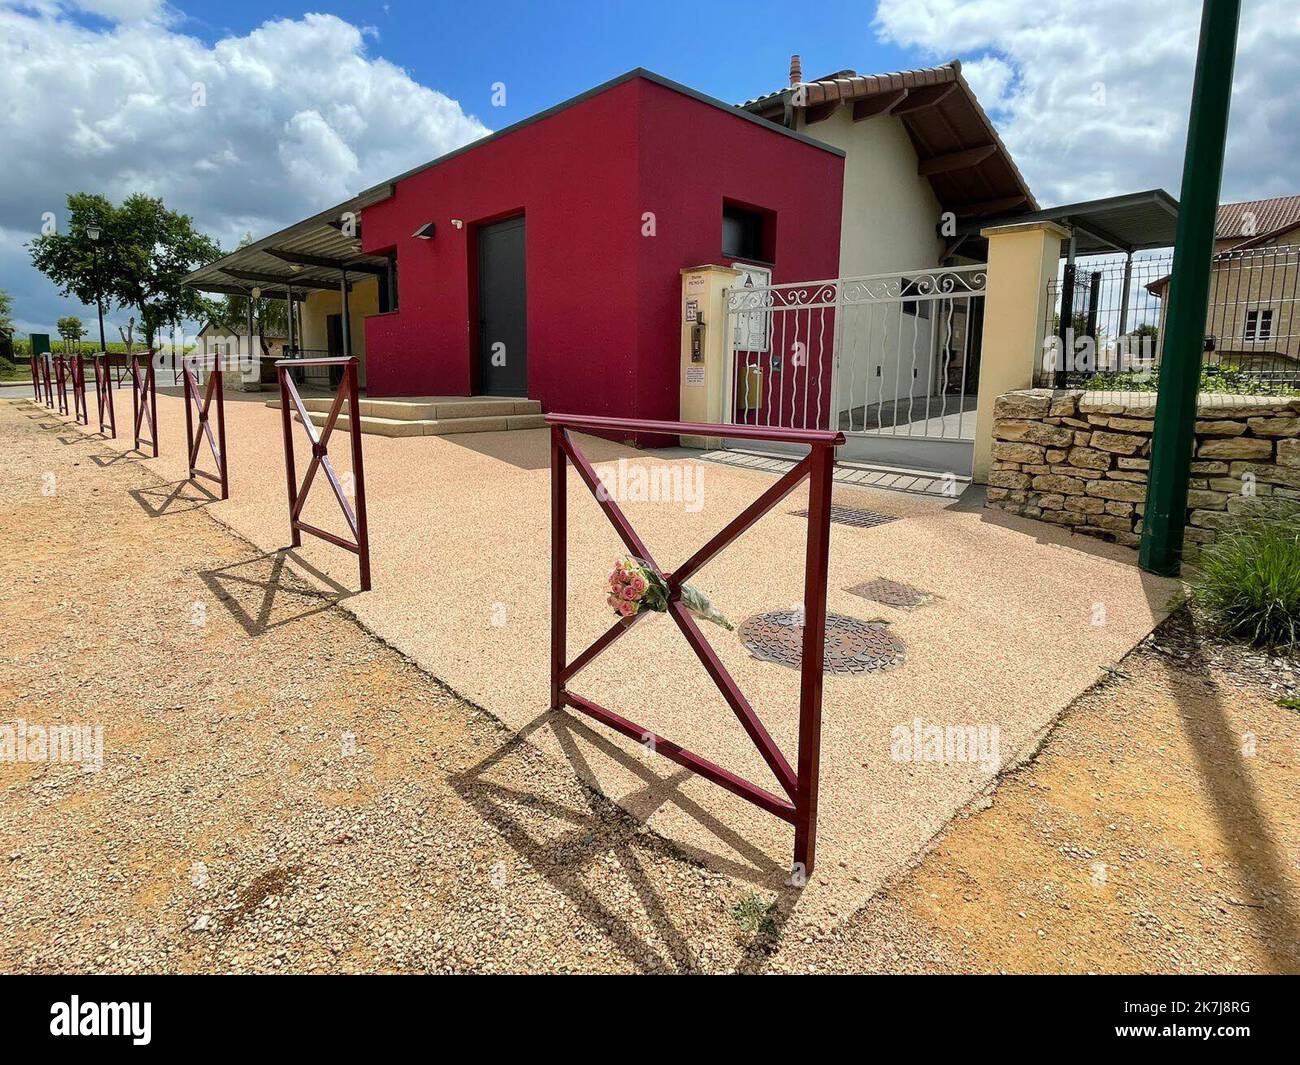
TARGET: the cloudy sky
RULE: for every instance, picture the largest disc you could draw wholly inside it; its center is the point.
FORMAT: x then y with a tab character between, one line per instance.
249	120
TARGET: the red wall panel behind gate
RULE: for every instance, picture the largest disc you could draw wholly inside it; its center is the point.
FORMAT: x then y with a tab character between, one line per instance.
602	299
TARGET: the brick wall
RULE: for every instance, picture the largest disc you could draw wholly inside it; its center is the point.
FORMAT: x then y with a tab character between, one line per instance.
1081	459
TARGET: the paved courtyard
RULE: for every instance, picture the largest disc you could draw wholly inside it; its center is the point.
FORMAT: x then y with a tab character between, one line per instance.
1020	619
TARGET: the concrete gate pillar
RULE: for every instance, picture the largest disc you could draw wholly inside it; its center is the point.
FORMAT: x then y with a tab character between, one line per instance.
1023	260
704	350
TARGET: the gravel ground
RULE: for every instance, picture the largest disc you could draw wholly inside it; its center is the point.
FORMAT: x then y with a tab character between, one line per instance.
281	791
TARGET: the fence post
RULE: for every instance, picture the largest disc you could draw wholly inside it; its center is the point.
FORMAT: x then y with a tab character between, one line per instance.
221	431
1189	292
559	564
816	566
1065	325
358	474
286	423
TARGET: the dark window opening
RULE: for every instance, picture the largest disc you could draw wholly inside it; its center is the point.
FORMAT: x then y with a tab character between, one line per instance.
388	285
746	234
917	308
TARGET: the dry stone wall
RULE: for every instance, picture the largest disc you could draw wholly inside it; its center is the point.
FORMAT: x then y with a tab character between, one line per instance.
1081	459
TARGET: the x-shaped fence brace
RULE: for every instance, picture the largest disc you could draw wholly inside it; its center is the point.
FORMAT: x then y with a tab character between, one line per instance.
360	543
104	393
144	401
194	435
79	409
47	379
799	806
61	382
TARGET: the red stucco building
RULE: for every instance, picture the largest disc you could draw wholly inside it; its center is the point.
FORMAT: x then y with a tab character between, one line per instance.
545	259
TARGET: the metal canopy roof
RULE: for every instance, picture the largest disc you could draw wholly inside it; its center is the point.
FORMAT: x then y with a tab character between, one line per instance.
1135	222
307	255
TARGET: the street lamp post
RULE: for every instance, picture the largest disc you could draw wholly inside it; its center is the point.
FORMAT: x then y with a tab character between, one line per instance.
93	231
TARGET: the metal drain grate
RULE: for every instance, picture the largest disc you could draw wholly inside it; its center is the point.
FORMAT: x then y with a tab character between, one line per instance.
855	516
852	646
891	593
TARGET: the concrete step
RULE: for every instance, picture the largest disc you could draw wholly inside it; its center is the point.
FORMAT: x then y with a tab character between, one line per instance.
429	408
381	426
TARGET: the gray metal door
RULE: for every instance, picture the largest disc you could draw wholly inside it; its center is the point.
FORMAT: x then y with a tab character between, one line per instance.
503	331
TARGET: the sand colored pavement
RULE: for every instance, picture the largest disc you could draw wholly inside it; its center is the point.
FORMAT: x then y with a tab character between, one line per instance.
1023	617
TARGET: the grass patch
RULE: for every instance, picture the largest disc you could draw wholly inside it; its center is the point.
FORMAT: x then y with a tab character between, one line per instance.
1249	580
755	916
1292	702
1216	381
11	372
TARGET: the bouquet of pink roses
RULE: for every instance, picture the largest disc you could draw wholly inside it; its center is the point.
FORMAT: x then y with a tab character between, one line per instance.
634	586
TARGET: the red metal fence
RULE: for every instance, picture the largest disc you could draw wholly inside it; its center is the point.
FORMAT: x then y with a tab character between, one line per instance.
104	393
360	544
144	401
61	382
79	409
44	363
194	434
799	807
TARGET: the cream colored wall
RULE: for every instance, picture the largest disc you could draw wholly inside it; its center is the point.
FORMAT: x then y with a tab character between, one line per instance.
889	211
362	302
1022	260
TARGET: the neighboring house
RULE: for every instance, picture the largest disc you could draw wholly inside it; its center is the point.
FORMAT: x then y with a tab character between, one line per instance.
921	160
918	149
224	340
1252	321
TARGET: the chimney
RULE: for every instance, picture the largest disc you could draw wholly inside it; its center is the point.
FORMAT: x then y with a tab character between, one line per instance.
796	70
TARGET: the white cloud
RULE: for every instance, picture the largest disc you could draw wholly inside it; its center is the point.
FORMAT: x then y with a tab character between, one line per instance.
1092	100
290	119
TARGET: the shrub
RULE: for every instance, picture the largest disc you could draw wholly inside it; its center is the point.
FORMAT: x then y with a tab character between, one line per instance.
1249	580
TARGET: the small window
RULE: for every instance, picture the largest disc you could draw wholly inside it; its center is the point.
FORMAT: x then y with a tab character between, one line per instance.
1259	324
744	234
388	285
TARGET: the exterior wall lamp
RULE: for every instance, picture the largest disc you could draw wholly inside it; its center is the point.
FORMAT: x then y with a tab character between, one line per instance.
425	232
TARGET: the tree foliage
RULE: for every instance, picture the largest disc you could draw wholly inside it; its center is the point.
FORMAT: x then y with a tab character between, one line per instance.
143	253
71	330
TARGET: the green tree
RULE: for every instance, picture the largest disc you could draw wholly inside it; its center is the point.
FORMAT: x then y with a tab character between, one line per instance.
6	326
231	313
71	330
143	253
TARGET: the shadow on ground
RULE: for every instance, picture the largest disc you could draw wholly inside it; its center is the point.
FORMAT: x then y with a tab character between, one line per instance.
264	593
584	835
1258	860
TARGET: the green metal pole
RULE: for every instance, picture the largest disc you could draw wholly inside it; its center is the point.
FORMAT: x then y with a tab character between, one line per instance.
1189	292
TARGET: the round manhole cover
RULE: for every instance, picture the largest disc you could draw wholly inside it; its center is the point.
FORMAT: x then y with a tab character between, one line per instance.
852	646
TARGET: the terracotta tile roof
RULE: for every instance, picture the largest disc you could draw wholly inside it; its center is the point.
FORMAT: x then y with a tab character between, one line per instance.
943	127
850	85
1254	218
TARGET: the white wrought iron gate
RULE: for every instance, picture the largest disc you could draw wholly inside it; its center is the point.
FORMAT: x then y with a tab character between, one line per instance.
892	360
